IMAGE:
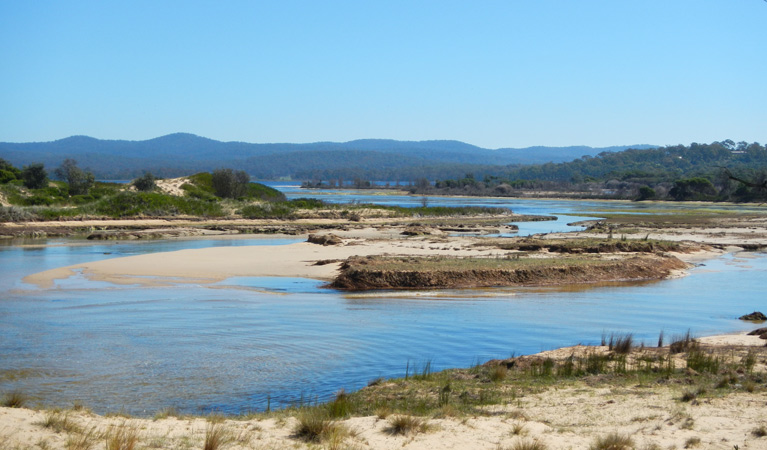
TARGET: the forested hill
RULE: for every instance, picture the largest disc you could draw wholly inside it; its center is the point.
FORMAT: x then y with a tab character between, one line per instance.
181	153
720	171
650	166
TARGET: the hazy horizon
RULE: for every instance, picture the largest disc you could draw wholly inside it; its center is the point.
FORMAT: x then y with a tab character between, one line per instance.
321	142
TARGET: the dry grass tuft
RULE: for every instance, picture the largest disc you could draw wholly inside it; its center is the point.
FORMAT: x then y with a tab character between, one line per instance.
60	422
82	441
534	444
122	437
14	399
498	373
681	344
216	437
315	426
166	412
402	425
623	344
613	441
518	429
760	431
517	414
692	442
688	396
383	412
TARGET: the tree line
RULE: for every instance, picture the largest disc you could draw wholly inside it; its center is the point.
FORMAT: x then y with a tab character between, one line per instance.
720	171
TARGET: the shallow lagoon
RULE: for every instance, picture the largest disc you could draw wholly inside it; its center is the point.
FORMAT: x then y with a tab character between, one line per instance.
231	346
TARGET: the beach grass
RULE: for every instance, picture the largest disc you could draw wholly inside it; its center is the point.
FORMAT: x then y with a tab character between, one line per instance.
405	424
527	444
14	399
122	437
613	441
315	425
216	437
59	421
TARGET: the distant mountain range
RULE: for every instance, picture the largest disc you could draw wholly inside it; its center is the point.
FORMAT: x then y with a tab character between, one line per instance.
182	154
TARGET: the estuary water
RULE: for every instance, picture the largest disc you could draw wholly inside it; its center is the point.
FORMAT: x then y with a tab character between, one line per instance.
244	343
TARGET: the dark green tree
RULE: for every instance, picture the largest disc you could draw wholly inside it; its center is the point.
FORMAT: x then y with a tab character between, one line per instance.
228	183
35	176
145	183
693	189
80	181
646	193
8	172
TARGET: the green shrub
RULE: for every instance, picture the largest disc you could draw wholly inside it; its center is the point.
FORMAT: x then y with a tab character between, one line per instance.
145	183
701	362
15	214
6	176
35	176
131	204
39	200
197	192
56	213
263	192
308	203
281	210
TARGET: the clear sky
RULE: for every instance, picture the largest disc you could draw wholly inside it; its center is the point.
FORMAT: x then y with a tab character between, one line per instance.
508	73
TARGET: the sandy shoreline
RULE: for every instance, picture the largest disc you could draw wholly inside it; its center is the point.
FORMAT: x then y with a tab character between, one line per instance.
570	416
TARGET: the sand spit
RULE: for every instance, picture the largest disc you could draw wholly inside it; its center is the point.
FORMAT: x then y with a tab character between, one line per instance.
293	260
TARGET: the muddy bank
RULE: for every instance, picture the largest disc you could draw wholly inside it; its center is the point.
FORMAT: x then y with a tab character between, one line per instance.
444	273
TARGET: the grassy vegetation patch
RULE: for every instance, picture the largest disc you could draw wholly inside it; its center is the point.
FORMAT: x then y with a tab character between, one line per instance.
459	264
691	218
584	245
129	204
314	425
440	272
410	401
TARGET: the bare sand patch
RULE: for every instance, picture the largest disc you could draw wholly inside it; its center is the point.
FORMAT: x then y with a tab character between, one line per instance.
172	186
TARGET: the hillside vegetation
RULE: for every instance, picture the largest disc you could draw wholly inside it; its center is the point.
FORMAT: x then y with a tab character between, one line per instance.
223	193
720	171
180	154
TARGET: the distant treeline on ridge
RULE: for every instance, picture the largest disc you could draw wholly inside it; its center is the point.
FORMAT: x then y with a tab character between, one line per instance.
182	154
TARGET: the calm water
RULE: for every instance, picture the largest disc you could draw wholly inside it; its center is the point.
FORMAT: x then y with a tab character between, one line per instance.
230	346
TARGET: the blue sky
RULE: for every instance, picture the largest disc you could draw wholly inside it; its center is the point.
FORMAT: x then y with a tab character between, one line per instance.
490	73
